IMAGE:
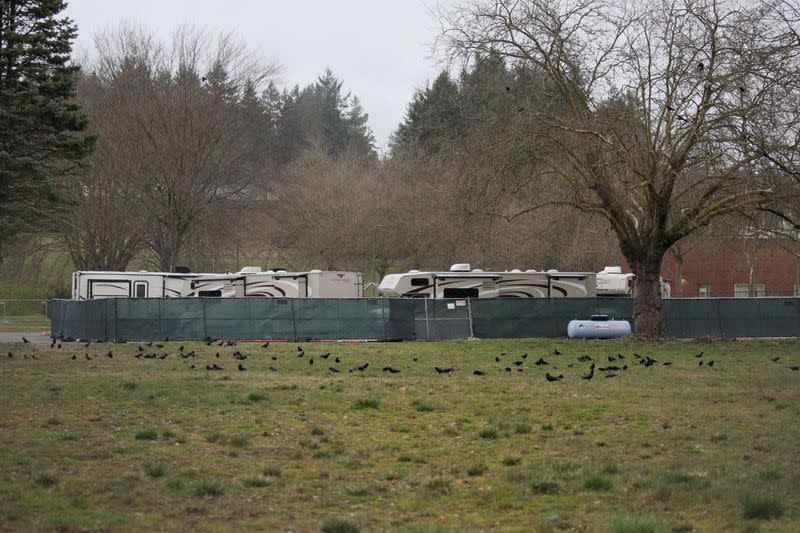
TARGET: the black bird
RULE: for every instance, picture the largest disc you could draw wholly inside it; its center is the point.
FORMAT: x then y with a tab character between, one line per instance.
611	358
700	363
325	355
217	355
670	108
608	368
164	356
300	353
10	355
667	363
311	361
794	367
265	345
241	368
363	367
53	344
333	369
203	79
508	88
141	349
274	358
215	367
87	357
699	355
584	358
681	117
90	342
620	356
149	344
338	361
524	356
74	357
548	377
700	66
541	362
415	359
110	354
496	359
570	365
181	348
508	369
776	359
610	375
517	363
478	373
443	370
711	363
191	366
391	370
590	375
166	339
221	343
138	356
159	345
557	352
26	341
273	369
208	367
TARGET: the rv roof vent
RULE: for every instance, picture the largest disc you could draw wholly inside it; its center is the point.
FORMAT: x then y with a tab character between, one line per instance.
552	271
142	271
179	269
460	267
477	270
250	270
612	270
531	270
315	271
413	271
516	271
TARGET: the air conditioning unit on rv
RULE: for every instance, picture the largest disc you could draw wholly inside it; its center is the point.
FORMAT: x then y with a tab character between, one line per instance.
460	267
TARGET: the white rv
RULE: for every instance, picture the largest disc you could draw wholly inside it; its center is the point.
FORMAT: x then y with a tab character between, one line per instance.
462	282
93	285
612	282
252	282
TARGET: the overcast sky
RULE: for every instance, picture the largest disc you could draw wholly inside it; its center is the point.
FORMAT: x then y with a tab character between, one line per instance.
381	49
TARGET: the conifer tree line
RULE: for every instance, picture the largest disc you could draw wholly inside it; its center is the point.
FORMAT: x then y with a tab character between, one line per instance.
562	135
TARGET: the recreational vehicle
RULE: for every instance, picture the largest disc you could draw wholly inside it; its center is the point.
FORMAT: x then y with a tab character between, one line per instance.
252	282
249	282
462	282
93	285
613	283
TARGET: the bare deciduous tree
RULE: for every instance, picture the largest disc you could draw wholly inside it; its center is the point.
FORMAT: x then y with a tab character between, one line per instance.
674	113
175	120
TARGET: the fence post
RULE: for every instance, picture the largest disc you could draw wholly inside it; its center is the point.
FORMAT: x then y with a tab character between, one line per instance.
469	315
427	322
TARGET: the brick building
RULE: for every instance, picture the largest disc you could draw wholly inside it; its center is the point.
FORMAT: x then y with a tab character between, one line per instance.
733	267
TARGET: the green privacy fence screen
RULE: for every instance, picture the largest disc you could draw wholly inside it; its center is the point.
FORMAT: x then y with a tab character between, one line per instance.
403	319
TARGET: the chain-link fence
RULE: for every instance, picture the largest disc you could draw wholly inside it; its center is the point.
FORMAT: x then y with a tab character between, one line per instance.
24	315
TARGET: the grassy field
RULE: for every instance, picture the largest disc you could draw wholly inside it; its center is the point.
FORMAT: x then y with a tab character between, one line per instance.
126	443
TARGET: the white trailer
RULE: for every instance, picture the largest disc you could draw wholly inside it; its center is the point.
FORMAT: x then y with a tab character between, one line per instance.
249	282
252	283
612	282
93	285
462	282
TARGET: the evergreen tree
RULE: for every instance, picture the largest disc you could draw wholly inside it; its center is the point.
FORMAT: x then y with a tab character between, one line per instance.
40	126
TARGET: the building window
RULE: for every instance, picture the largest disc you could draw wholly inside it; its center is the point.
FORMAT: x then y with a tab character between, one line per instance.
704	290
744	290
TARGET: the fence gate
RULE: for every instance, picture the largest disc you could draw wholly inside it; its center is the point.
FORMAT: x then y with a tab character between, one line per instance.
442	319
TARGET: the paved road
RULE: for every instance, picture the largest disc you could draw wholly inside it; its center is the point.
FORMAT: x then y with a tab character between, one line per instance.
15	336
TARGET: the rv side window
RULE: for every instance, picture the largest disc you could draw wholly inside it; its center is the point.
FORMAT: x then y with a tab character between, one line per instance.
419	282
461	293
140	289
209	294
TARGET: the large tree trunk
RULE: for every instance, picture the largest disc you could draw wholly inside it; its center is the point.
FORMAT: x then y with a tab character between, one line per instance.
647	320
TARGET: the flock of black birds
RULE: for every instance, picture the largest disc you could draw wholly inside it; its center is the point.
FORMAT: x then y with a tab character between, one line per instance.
608	366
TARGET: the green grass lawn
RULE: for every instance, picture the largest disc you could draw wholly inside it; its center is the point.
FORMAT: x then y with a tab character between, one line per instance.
148	444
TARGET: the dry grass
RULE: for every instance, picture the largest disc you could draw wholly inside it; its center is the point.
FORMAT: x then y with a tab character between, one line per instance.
150	444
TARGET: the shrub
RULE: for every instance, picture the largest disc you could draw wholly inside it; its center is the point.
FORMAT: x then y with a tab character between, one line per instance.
511	461
271	471
45	480
209	489
256	396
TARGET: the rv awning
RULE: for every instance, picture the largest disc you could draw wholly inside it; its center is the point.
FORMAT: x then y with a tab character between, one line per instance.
479	275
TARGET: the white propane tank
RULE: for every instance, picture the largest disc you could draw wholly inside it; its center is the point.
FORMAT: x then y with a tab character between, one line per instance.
599	327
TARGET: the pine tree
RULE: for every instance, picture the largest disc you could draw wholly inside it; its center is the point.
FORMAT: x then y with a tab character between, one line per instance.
40	127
